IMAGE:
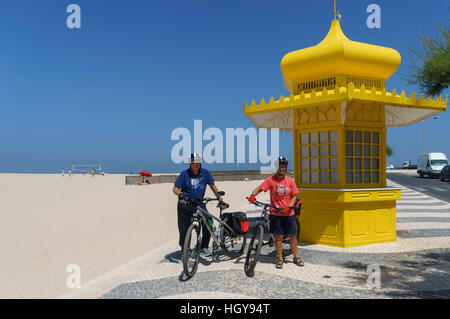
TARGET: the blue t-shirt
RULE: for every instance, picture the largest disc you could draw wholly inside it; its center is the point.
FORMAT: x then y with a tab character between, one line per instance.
194	186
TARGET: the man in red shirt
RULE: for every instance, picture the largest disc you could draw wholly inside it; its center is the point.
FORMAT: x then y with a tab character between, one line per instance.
282	194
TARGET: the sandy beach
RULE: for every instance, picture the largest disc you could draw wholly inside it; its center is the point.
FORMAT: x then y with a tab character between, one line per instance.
49	222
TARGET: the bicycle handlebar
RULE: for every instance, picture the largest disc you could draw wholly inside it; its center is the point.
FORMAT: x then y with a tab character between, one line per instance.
198	201
265	205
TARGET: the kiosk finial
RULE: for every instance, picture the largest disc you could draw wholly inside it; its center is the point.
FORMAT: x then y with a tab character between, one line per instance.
334	9
337	15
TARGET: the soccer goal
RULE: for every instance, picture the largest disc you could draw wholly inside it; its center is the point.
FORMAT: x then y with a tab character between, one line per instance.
87	168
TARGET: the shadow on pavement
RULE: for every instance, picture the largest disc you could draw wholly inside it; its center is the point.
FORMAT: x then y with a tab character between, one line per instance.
417	275
174	257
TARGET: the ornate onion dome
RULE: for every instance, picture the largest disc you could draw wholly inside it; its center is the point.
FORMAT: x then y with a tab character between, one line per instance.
338	60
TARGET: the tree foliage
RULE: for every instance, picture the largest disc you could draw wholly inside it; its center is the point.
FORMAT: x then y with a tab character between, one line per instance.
430	71
389	151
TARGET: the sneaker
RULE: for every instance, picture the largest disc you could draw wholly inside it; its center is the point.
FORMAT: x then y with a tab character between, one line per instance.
206	252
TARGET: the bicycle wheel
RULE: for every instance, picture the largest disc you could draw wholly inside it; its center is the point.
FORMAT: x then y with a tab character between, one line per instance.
253	251
191	250
233	245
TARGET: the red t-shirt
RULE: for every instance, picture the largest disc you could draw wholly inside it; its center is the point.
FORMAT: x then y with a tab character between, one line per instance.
281	193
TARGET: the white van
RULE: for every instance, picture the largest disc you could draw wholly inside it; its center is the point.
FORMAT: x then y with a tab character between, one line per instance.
431	164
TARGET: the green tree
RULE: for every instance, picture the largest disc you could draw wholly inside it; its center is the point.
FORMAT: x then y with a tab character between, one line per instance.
389	151
430	71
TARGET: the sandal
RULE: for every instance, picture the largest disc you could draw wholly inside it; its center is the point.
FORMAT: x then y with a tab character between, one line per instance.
298	261
279	264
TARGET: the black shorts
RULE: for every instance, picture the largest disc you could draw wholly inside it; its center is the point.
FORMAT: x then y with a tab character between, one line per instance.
283	225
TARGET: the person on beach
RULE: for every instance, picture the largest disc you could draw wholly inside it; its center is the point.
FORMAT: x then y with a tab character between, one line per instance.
283	191
191	184
63	172
70	172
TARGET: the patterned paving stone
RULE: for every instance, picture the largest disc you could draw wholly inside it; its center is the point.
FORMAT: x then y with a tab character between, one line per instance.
265	286
415	266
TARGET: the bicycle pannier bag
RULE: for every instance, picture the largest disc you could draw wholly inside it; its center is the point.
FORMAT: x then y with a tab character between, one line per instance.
239	223
298	207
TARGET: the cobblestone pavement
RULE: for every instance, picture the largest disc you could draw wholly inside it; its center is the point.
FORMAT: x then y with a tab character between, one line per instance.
415	266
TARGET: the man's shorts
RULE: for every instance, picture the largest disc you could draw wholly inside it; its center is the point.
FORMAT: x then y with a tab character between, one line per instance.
283	225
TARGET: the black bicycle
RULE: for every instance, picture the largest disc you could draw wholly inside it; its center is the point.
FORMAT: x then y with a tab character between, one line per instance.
261	237
232	243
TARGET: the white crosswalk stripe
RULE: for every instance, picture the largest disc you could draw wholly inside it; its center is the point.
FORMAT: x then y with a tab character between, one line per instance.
426	200
414	204
422	225
440	189
424	207
420	206
414	196
422	214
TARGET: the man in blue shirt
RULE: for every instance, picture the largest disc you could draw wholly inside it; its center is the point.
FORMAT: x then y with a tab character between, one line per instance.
191	183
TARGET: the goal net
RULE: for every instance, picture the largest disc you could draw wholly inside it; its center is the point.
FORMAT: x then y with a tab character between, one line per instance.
87	168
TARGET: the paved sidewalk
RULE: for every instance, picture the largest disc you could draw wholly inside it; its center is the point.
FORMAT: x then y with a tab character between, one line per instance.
415	266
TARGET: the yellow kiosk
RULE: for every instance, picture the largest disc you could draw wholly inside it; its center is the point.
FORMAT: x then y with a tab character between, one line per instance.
338	112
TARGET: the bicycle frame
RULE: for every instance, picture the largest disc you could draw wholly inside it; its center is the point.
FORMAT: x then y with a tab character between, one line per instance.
199	216
254	250
265	217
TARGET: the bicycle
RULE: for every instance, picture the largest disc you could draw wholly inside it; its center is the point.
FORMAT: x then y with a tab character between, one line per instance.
232	243
257	240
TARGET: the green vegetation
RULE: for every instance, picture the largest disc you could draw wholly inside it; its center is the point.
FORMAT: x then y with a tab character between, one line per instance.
389	151
431	69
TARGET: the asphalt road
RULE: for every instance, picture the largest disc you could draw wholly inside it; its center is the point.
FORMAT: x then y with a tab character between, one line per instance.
427	185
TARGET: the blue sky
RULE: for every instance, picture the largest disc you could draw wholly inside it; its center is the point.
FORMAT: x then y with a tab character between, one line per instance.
113	91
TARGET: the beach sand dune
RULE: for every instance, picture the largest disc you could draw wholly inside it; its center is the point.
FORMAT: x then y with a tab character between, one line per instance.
49	222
